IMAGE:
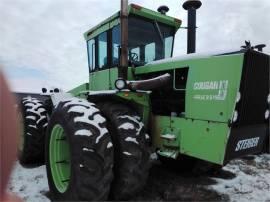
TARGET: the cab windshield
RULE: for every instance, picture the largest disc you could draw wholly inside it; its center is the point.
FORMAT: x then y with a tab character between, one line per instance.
148	40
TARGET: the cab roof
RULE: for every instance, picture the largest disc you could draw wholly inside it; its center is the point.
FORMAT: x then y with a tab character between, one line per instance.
136	10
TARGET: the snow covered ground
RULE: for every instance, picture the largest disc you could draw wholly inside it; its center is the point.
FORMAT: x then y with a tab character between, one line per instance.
250	181
30	184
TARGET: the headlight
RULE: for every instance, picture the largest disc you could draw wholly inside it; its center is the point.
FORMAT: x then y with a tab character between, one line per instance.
120	84
268	99
238	97
266	114
235	116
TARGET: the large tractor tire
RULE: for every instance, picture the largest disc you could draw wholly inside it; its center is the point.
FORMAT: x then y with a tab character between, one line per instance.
33	117
131	152
79	152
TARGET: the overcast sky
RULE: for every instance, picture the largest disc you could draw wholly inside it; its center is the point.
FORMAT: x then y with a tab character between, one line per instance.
42	41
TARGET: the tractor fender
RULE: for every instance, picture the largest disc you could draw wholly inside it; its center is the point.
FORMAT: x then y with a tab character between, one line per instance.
139	100
139	97
56	98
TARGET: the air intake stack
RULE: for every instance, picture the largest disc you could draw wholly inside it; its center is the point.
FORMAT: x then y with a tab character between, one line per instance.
122	73
191	6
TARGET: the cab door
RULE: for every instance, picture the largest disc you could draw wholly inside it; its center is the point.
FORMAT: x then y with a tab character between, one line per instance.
98	62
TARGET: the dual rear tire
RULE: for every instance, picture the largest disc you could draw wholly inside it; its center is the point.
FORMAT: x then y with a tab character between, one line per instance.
95	153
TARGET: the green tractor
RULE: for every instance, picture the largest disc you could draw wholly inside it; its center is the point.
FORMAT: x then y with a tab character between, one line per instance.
97	138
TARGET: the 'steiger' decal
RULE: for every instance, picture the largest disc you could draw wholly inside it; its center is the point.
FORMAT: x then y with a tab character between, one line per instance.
246	144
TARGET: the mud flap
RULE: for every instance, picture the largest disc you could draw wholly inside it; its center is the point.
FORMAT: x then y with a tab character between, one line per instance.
246	140
250	133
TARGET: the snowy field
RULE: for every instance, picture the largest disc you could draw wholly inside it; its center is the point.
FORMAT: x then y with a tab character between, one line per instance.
252	181
29	183
249	181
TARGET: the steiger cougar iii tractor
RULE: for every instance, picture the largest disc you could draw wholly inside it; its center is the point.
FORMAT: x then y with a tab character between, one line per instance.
96	139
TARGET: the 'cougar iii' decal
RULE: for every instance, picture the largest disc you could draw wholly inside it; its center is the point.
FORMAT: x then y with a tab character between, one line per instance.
219	94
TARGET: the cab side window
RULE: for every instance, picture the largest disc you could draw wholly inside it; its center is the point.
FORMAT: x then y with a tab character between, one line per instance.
102	50
91	54
115	45
168	46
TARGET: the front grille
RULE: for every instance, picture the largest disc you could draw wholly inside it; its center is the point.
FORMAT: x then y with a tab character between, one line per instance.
254	88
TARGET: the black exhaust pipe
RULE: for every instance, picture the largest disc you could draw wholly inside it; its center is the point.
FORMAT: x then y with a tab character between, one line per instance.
122	71
150	84
191	6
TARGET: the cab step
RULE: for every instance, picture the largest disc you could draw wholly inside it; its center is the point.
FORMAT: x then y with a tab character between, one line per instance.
169	137
168	154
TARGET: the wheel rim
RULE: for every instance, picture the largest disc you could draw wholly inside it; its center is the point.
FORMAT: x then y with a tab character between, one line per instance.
59	154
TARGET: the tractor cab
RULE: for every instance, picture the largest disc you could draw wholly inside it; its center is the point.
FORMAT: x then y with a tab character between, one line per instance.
150	38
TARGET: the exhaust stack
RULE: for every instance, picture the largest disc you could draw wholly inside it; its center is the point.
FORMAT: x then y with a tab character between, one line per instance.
122	72
191	6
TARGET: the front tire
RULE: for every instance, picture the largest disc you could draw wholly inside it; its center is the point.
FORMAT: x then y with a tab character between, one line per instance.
132	161
33	117
79	152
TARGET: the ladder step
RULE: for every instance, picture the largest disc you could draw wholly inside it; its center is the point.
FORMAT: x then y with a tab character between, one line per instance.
168	137
168	154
